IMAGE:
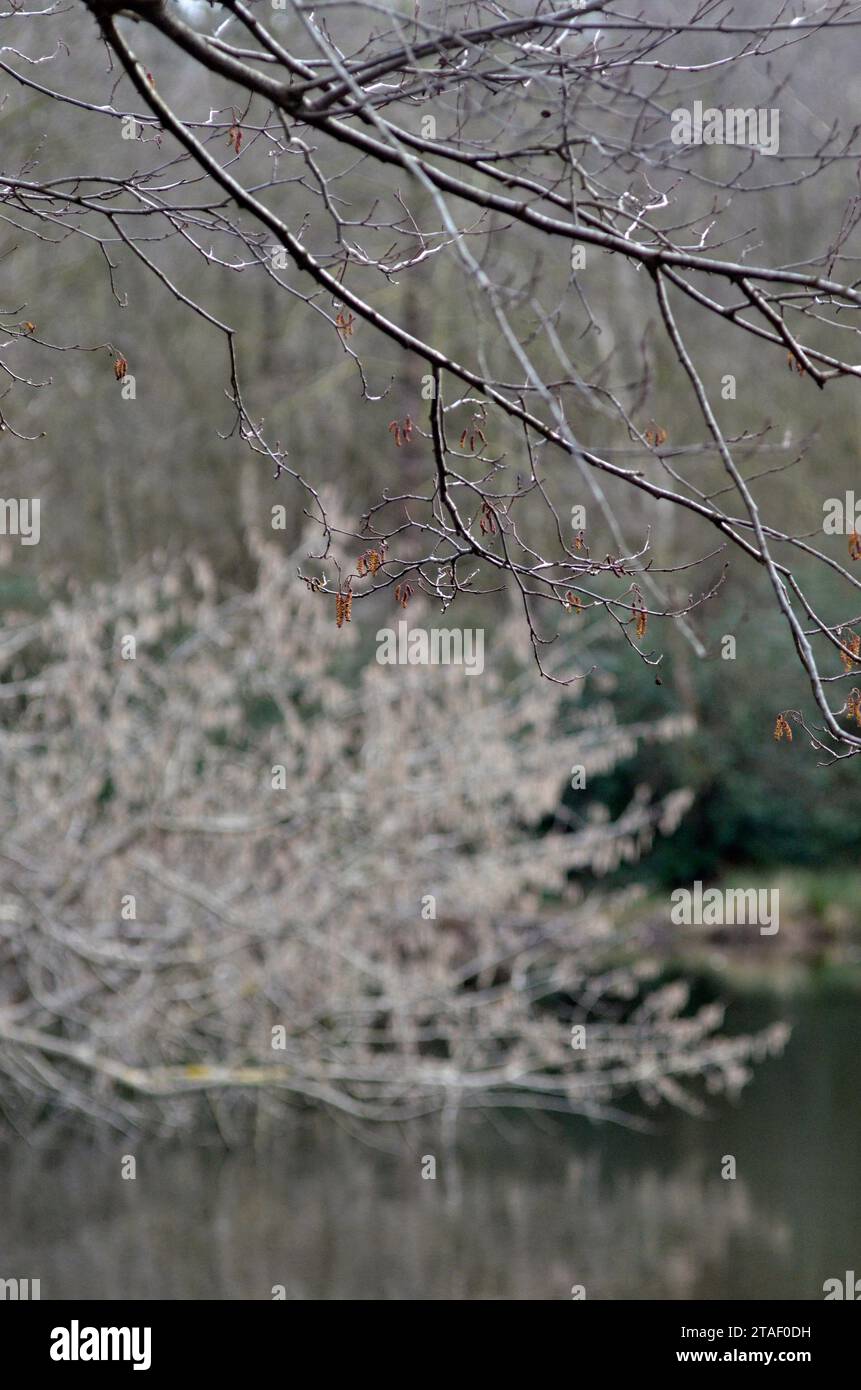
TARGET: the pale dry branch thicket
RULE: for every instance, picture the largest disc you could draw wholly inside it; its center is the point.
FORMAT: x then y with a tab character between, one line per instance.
260	907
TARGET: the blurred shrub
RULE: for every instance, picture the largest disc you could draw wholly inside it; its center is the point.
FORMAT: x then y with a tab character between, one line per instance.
231	879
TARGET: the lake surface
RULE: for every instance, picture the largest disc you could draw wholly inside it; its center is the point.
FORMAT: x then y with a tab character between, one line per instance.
524	1211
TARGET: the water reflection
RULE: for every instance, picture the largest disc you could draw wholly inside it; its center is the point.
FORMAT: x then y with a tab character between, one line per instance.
525	1212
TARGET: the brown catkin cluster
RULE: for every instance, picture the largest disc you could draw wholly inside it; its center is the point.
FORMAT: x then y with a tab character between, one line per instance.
343	607
401	433
853	642
853	705
368	563
655	435
782	729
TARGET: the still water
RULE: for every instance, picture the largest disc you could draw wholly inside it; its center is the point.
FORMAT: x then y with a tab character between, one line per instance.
524	1212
